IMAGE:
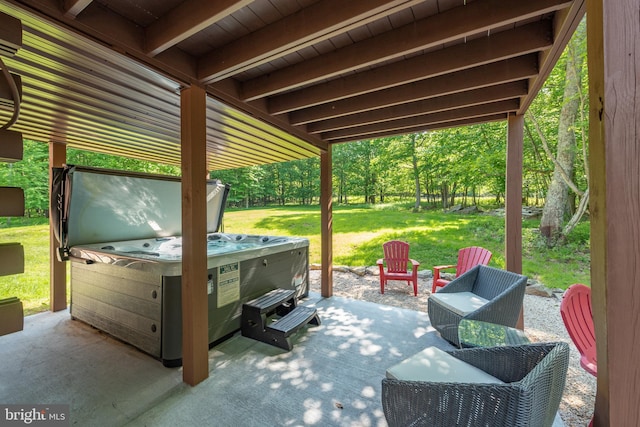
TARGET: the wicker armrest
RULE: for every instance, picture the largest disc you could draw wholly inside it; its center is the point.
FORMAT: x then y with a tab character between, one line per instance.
507	363
534	376
462	283
504	309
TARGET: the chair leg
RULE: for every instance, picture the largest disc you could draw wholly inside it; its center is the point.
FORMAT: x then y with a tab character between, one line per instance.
415	288
382	286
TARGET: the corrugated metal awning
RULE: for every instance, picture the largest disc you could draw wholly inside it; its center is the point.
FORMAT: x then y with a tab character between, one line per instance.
80	93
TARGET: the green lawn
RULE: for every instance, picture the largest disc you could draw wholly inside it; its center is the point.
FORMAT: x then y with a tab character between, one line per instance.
435	237
32	287
359	232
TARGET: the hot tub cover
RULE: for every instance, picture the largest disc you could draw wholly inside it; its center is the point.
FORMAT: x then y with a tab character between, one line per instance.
90	205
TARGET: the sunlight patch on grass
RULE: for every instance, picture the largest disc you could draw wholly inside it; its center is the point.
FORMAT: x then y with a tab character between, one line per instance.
353	240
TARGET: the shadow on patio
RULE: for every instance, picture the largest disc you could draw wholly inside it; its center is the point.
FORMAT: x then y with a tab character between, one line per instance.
331	378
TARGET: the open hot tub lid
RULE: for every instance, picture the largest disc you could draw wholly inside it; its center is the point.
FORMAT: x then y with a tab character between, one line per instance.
91	205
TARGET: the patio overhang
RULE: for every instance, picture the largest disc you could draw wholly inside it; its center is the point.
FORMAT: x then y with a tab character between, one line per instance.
287	79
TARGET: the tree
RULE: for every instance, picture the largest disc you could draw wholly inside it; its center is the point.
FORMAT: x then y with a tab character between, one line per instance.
416	171
557	205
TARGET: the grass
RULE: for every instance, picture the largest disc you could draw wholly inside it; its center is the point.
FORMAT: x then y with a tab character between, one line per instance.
32	287
358	234
435	237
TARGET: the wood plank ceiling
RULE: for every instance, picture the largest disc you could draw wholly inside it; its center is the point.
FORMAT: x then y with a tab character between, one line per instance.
285	78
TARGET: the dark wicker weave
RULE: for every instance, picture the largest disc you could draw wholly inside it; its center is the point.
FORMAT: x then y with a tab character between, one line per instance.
535	374
503	289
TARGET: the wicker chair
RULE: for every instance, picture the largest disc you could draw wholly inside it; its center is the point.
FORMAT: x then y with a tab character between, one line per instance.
500	294
534	378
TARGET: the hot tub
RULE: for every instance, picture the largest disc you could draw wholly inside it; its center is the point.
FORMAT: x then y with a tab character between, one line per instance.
130	288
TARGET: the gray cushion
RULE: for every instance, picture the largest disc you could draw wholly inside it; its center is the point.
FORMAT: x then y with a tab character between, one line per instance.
435	365
461	303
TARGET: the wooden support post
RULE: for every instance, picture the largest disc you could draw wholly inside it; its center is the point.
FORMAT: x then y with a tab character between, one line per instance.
326	220
195	346
613	40
513	199
57	269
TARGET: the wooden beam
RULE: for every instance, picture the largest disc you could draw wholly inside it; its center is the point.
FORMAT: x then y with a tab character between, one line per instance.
613	40
448	102
513	194
326	224
504	45
72	8
513	199
362	132
308	26
505	71
599	187
195	314
433	126
185	20
57	269
449	26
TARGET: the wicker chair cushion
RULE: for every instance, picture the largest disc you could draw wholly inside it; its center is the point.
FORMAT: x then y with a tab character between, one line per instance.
461	303
435	365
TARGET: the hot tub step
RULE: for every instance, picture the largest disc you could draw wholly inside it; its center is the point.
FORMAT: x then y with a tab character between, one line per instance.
280	331
270	301
279	302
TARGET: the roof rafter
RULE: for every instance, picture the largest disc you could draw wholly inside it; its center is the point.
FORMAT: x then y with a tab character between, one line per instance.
485	95
423	121
73	7
506	44
310	25
504	71
434	126
449	26
186	20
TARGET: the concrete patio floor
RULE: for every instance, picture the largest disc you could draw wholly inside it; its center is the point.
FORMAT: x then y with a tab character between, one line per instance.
332	377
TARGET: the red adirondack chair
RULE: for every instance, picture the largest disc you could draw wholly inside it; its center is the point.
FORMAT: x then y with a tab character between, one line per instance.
577	316
467	258
396	258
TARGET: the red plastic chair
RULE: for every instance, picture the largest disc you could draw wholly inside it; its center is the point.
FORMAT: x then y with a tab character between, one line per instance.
396	257
467	258
577	316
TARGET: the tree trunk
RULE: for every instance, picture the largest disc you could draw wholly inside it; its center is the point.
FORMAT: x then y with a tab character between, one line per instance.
444	195
416	171
453	194
555	206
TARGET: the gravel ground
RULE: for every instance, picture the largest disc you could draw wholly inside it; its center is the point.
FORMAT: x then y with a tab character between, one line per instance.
542	323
